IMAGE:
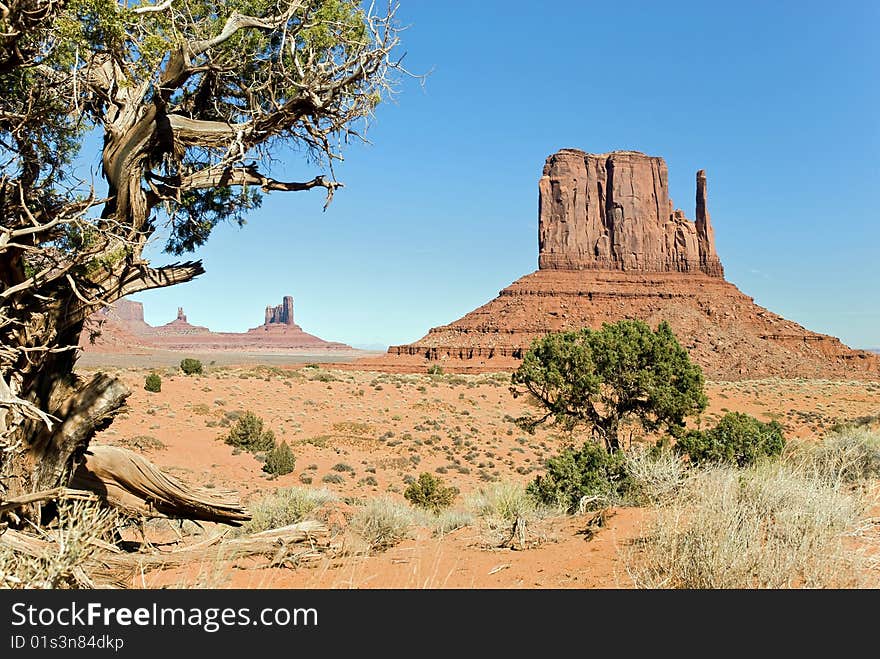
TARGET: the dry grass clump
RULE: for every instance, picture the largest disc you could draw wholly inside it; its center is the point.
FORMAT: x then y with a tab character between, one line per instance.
83	527
770	526
508	514
284	507
450	520
383	522
657	476
850	455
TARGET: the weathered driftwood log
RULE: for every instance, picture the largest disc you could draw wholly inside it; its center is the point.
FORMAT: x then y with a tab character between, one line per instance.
135	485
115	568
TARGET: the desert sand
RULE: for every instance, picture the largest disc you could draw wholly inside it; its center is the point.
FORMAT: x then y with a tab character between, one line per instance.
360	434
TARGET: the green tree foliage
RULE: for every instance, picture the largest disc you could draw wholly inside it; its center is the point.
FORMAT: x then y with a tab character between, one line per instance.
153	383
622	373
590	472
430	492
248	434
191	366
737	439
280	460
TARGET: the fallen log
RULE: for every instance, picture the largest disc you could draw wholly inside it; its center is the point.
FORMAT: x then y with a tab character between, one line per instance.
307	539
135	485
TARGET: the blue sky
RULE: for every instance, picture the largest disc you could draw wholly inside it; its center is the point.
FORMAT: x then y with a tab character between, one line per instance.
777	101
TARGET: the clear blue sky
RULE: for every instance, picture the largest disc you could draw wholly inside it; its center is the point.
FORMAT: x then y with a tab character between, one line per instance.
777	101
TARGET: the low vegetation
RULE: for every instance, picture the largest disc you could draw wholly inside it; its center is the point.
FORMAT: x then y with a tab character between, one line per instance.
768	526
248	434
583	479
83	528
849	455
738	439
430	493
793	521
383	522
153	383
280	460
191	366
286	506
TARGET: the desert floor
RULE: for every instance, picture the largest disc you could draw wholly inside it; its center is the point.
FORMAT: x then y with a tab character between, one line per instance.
361	434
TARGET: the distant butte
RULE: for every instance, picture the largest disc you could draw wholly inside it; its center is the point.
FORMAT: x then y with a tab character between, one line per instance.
612	246
122	324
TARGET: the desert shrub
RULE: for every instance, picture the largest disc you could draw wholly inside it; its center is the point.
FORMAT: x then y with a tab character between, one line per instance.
506	501
506	511
83	527
451	520
430	492
153	383
332	478
584	479
850	455
865	421
279	460
383	522
248	434
435	369
191	366
767	526
738	439
656	476
284	507
355	428
607	379
143	443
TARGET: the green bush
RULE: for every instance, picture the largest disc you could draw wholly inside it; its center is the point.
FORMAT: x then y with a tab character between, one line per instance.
279	460
738	439
153	383
435	369
607	379
589	472
248	434
191	366
429	492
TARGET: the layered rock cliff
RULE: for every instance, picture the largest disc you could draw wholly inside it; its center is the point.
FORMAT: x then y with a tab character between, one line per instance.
612	211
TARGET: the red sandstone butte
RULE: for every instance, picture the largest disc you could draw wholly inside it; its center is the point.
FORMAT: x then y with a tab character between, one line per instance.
123	324
611	247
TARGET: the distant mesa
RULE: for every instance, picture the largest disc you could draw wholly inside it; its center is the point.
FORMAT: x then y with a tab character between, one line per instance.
122	325
612	246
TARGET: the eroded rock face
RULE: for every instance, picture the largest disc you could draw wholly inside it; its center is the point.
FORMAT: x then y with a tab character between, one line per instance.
282	314
612	211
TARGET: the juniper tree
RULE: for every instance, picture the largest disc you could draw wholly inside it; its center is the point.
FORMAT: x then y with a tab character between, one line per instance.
602	379
190	100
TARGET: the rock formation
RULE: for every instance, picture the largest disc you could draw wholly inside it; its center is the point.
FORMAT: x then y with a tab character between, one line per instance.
130	315
122	325
178	327
612	211
282	314
611	247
